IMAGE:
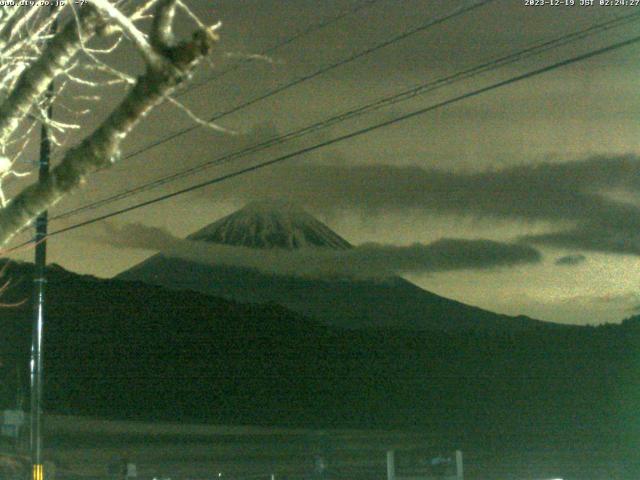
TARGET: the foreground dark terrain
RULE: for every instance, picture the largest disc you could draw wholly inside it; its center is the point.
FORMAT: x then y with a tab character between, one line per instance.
562	402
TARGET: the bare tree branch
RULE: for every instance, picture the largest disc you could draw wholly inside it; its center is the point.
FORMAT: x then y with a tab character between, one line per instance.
161	30
102	147
137	37
35	80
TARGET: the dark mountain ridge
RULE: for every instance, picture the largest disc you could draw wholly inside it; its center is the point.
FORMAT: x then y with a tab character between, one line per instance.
129	350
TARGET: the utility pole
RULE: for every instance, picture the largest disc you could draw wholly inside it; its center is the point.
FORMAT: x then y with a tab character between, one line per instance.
391	465
40	280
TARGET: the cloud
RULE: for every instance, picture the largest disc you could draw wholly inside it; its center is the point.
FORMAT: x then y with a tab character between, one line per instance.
594	200
570	260
620	299
443	255
367	260
548	191
135	235
591	236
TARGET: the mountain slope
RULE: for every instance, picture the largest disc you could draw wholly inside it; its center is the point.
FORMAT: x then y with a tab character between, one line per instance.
347	303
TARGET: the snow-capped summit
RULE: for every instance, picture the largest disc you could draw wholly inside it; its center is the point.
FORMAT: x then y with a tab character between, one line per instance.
272	224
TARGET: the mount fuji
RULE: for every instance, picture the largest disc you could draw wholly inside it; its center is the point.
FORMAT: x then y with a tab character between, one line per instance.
393	302
271	225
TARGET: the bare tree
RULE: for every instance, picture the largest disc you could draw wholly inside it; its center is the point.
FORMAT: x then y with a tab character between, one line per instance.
31	57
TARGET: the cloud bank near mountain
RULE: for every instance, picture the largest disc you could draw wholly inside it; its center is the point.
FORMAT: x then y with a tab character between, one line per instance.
595	202
369	260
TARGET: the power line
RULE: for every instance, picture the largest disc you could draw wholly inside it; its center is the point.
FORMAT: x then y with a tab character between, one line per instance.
421	28
435	21
356	133
310	29
367	108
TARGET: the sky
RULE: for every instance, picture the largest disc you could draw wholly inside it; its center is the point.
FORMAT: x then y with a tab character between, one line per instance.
548	164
